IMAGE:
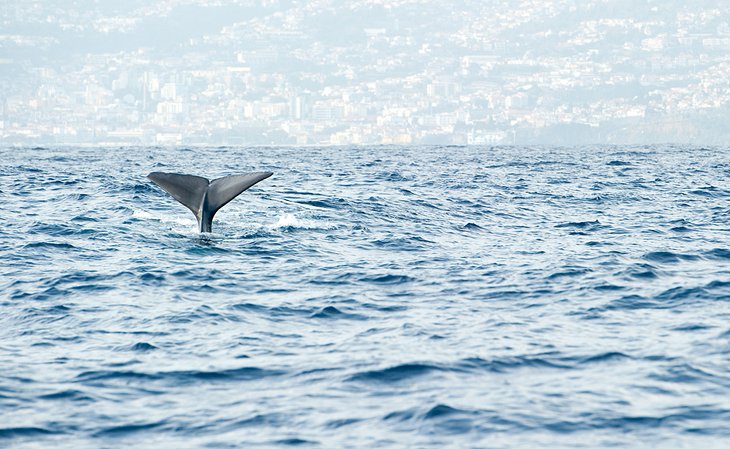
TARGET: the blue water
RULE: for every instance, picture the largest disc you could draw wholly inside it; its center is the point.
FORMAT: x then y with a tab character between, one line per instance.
368	298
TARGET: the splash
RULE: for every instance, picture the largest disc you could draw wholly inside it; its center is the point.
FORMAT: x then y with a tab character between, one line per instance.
290	221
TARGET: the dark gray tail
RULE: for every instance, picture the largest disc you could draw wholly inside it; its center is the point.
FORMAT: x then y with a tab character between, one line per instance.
204	198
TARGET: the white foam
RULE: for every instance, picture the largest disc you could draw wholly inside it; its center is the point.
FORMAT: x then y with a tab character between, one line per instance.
143	214
287	221
178	222
291	221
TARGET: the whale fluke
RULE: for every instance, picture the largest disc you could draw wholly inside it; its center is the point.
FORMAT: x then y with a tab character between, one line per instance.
204	198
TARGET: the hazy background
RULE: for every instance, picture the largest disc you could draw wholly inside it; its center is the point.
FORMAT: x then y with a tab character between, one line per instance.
364	72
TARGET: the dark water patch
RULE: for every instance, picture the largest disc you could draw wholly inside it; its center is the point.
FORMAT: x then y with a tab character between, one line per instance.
84	278
569	272
333	313
51	246
398	373
126	429
338	423
714	291
502	365
680	416
633	302
26	432
67	395
388	279
718	253
401	415
610	356
585	226
199	274
685	373
442	411
440	419
54	229
142	347
692	327
85	219
403	243
329	203
129	332
225	375
43	295
386	308
393	177
709	192
152	279
410	371
202	314
250	307
597	244
617	163
260	420
141	189
681	229
668	257
608	287
318	373
673	297
206	248
92	288
278	312
643	271
424	203
296	442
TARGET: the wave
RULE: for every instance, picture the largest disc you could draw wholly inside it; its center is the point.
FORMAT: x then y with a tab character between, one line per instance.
442	296
67	395
396	373
674	297
26	432
333	313
126	429
668	257
179	377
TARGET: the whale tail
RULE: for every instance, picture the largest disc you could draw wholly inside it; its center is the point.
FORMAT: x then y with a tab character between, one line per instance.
204	198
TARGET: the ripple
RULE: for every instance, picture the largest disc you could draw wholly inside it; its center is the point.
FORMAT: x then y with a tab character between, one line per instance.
142	347
15	432
718	253
502	365
125	429
397	373
367	297
333	313
441	410
570	272
388	279
50	246
296	442
668	257
72	395
226	375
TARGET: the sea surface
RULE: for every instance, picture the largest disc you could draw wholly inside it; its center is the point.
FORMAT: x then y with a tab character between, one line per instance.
386	297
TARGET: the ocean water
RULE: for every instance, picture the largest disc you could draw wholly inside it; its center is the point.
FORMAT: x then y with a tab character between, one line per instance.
390	297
